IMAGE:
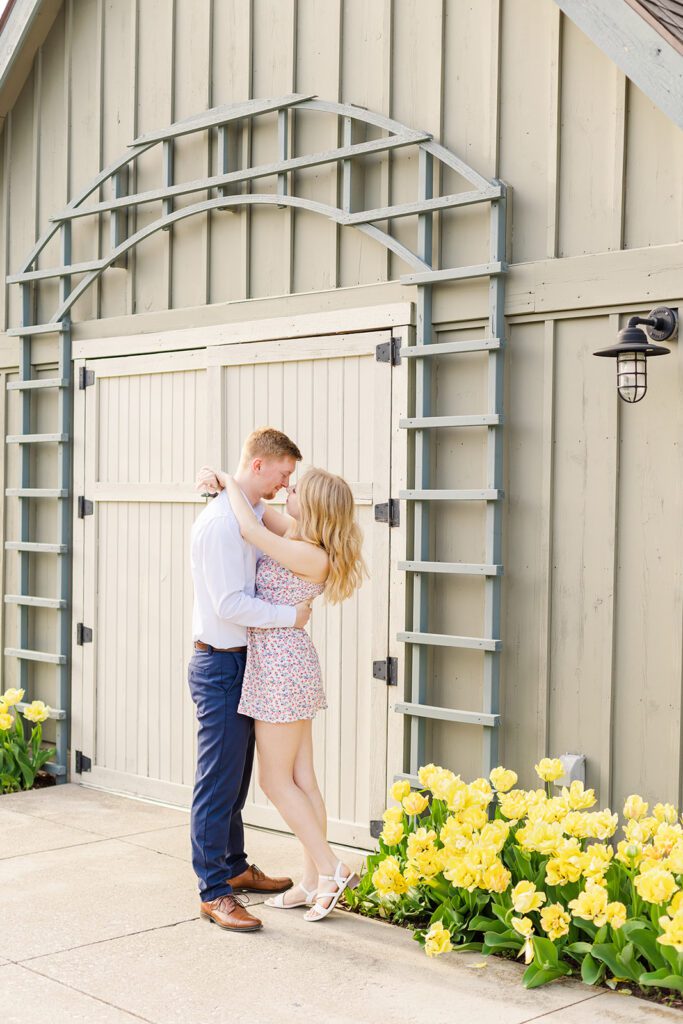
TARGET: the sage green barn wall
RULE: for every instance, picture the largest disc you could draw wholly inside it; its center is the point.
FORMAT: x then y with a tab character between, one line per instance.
593	614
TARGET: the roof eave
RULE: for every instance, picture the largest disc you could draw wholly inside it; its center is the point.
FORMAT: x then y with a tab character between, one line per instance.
643	53
25	27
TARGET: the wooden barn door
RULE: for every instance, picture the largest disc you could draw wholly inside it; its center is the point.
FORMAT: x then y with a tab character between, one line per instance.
334	398
144	426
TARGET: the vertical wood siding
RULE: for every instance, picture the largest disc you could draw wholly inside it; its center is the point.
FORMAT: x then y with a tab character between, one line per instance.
593	625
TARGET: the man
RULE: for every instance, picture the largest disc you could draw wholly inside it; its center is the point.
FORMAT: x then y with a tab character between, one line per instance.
223	571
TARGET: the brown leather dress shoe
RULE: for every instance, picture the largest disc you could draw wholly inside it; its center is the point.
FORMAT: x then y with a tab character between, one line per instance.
254	880
228	912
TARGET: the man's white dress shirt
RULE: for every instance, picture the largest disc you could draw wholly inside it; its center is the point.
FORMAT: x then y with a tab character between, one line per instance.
224	575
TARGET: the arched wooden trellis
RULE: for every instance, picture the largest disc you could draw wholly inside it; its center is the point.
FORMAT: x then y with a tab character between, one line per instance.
422	274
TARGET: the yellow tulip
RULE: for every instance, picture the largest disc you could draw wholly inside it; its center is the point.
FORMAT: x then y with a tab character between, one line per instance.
616	914
437	940
6	721
591	904
549	769
387	878
555	921
425	773
12	696
524	926
513	805
525	897
672	934
496	878
503	779
629	853
635	807
656	885
441	782
676	904
392	833
400	789
393	814
37	711
577	797
415	803
665	812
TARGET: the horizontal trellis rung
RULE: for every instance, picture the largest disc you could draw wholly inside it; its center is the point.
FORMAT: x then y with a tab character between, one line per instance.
451	348
455	274
448	714
50	272
473	643
489	494
57	713
412	779
54	769
39	549
297	163
434	422
36	438
424	206
36	492
53	327
35	602
24	655
457	568
42	382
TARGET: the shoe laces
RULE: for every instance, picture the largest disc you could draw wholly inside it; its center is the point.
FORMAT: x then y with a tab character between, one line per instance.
231	898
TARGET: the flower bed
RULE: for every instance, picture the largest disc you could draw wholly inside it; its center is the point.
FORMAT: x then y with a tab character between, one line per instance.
20	758
544	878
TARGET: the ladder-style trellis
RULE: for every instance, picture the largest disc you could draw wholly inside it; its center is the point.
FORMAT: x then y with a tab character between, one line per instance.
218	192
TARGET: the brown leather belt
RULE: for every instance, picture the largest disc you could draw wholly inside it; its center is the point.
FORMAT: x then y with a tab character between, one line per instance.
199	645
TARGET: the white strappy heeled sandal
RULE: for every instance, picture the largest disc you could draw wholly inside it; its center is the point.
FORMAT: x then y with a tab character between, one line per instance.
279	900
318	911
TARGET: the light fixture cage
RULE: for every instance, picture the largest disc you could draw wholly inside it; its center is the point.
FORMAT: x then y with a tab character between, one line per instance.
632	376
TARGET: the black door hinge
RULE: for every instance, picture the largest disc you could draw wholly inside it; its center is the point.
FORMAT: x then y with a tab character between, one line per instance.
83	634
85	378
389	352
83	763
85	507
386	670
375	828
389	512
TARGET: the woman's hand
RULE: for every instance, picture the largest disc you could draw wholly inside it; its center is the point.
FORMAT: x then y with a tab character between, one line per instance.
209	481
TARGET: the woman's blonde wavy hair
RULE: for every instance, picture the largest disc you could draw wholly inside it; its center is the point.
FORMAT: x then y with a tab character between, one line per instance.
327	518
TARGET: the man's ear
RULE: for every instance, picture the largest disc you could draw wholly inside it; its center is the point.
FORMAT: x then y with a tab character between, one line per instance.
256	465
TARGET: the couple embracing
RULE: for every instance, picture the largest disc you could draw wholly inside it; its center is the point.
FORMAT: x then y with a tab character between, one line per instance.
254	675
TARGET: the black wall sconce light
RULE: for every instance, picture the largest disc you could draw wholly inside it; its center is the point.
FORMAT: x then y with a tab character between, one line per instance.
633	348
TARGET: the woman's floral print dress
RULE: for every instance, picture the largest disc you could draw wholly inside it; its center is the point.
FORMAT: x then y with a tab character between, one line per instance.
282	681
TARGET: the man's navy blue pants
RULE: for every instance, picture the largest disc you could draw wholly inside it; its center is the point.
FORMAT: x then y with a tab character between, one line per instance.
225	756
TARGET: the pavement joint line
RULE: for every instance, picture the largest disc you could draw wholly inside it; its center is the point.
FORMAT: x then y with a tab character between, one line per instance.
91	832
89	995
110	938
95	842
548	1015
51	821
56	849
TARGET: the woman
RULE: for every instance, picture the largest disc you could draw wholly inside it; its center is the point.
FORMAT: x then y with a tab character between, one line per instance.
313	549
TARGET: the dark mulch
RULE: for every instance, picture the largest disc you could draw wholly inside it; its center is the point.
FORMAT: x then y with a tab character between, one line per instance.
662	996
43	780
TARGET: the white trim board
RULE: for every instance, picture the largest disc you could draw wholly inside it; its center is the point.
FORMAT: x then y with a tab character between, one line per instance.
338	321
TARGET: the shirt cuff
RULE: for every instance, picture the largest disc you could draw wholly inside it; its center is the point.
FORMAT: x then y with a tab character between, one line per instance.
287	613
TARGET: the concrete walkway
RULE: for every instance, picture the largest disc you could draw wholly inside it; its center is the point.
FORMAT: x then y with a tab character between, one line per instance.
99	923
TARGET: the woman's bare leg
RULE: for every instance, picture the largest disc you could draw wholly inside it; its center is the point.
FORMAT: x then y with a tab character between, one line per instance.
304	776
278	744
